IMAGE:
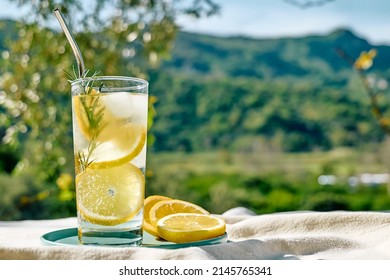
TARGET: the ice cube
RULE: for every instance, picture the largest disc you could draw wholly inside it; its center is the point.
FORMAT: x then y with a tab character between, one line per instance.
120	104
140	108
124	105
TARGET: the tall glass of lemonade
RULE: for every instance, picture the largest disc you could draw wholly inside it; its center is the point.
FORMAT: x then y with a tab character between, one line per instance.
109	134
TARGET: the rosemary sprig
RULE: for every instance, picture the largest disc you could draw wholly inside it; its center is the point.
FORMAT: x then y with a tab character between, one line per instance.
94	116
85	158
93	113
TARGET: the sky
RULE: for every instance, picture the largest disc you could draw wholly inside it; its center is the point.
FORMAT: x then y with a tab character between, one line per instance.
369	19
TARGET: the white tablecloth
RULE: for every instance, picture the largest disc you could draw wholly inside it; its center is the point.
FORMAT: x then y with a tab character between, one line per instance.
291	235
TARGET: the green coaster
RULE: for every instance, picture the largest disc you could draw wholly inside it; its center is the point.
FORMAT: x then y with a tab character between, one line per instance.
68	237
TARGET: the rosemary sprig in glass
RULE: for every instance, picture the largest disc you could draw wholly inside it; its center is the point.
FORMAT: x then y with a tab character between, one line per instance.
94	116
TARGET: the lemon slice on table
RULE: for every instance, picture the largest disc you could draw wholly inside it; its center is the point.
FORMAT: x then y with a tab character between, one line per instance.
172	206
149	202
110	196
190	227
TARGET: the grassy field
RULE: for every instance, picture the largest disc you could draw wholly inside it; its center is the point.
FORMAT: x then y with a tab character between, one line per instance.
269	181
340	162
263	181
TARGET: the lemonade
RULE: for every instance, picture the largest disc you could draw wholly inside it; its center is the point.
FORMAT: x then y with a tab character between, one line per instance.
109	134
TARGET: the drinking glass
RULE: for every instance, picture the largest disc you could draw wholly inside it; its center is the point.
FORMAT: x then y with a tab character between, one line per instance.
109	136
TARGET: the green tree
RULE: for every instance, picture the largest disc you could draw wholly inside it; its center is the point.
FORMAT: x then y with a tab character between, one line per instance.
116	37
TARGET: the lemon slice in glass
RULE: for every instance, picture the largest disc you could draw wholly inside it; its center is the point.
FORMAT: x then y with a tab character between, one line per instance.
110	196
82	105
190	227
114	110
114	136
127	142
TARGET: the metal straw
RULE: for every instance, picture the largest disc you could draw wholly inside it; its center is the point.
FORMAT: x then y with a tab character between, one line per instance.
72	42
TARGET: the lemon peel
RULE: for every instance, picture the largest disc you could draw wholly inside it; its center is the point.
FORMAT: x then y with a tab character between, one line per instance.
190	227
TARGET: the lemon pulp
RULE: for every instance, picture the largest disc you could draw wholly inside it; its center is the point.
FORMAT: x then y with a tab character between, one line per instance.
190	227
173	206
114	137
110	196
127	143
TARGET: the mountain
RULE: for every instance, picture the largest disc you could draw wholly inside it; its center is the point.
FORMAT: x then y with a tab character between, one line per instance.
245	94
268	58
291	94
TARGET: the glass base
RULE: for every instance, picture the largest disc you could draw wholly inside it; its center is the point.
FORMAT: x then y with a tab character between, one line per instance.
110	238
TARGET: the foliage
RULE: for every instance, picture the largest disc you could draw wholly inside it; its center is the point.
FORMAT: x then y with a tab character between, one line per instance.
246	98
35	112
269	189
373	85
196	115
296	94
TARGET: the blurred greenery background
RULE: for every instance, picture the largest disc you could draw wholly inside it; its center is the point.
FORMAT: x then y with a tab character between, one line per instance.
269	124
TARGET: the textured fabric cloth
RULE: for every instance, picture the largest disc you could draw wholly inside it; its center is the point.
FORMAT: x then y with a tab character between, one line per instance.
291	235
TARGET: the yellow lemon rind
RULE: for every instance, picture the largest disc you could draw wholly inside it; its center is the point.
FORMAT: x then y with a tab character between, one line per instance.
107	220
149	202
119	161
185	234
81	114
188	208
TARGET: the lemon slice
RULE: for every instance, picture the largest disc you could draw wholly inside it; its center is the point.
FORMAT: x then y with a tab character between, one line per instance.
126	144
112	125
149	202
81	107
110	196
190	227
172	206
115	108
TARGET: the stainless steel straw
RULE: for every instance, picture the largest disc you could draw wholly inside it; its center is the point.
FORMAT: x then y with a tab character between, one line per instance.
72	42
